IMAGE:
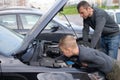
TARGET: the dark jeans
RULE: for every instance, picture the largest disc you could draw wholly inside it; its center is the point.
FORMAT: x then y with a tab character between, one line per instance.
110	45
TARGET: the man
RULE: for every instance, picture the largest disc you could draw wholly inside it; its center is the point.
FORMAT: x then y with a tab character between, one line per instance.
90	57
105	28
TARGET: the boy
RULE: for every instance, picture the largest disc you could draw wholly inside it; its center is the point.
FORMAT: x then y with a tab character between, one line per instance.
90	57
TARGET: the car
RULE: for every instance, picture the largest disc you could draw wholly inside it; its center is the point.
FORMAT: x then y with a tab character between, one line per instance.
27	57
115	14
22	19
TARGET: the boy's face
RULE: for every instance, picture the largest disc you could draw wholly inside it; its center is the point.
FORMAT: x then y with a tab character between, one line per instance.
66	51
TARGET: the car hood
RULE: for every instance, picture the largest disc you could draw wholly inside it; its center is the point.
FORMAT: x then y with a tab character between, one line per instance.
41	24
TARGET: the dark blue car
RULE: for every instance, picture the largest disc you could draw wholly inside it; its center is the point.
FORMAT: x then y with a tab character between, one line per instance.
27	57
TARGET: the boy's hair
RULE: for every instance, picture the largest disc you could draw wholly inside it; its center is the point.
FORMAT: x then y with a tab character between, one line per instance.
84	4
67	41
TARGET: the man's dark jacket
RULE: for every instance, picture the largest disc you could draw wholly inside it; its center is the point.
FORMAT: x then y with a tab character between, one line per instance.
103	25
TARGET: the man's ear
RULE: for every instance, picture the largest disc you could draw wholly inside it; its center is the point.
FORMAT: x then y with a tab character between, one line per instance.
70	50
88	8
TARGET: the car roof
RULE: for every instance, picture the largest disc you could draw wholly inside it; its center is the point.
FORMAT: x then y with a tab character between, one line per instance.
113	10
20	10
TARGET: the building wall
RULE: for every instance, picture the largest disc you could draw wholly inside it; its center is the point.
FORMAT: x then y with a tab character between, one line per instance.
9	3
115	1
21	2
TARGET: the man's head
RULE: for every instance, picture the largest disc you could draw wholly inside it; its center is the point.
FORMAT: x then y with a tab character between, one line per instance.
84	9
68	46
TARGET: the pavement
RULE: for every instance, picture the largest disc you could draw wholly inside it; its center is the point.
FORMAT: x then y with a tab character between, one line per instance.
73	18
79	21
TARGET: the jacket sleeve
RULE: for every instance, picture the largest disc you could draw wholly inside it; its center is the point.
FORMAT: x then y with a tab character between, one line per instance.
100	23
96	61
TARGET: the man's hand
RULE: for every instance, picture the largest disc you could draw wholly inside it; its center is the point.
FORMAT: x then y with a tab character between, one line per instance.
86	44
84	64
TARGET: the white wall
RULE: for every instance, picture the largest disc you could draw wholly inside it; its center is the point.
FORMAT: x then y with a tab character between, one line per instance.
41	4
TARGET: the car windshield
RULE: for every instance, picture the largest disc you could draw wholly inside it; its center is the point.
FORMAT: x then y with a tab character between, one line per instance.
10	41
118	18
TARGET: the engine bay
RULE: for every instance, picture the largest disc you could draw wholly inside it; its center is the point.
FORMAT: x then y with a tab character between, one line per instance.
47	54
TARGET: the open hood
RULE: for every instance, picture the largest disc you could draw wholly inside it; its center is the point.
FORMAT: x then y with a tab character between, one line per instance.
41	24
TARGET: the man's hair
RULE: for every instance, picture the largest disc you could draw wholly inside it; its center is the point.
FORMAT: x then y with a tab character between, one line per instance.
84	4
68	41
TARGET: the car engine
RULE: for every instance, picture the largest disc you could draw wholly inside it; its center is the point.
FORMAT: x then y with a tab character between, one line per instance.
47	54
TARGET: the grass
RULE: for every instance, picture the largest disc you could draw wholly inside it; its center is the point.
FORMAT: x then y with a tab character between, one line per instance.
111	7
70	10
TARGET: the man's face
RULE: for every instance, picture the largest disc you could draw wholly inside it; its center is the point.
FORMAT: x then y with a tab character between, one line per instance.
66	51
84	12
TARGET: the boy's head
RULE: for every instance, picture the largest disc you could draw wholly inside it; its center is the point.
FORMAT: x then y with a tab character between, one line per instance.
68	45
